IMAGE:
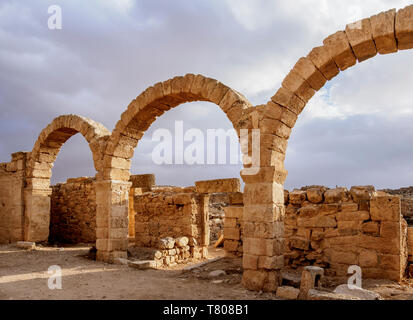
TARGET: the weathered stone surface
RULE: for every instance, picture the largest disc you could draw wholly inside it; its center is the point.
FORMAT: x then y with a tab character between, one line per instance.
359	193
339	49
336	195
26	244
315	195
287	292
360	37
385	208
324	62
404	28
219	185
357	292
323	295
306	69
142	265
297	196
382	26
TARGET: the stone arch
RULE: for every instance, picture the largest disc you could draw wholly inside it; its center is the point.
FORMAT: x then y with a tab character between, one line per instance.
112	220
40	163
383	33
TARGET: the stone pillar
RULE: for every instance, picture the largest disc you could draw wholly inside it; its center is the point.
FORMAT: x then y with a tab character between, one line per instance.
37	214
263	234
112	200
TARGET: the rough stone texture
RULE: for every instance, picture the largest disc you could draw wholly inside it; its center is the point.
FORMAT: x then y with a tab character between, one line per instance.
360	37
233	229
340	232
339	49
144	181
404	28
12	181
219	185
382	26
162	216
287	292
73	211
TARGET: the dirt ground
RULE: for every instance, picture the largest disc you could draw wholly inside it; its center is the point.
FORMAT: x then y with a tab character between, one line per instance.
23	275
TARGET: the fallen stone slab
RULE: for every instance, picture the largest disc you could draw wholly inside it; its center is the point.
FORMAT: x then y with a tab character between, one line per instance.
287	292
357	292
143	264
314	294
26	245
201	264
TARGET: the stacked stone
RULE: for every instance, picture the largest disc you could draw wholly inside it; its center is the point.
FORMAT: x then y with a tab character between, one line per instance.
217	204
410	244
160	215
173	251
233	224
12	182
73	211
336	228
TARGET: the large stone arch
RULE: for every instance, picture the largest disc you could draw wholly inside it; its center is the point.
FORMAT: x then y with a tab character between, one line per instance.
112	190
383	33
40	163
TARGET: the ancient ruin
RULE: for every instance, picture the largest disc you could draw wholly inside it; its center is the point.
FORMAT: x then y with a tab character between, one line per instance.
312	227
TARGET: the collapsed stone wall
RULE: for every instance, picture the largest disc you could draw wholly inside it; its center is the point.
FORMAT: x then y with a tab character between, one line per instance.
336	228
73	211
12	183
165	214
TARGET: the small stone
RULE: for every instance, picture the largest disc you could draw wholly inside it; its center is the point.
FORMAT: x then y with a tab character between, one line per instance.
166	243
216	273
182	241
26	244
143	264
287	292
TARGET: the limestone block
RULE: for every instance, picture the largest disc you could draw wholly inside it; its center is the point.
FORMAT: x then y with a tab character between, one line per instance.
359	193
382	26
258	280
267	247
357	292
289	100
385	208
317	222
368	258
182	241
371	227
353	216
166	243
287	292
146	181
336	195
360	37
324	62
306	69
218	185
271	263
339	49
315	195
295	83
297	196
404	28
250	261
231	233
26	244
234	212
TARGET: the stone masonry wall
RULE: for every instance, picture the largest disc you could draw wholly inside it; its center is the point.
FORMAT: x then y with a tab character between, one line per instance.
12	183
73	211
336	228
164	214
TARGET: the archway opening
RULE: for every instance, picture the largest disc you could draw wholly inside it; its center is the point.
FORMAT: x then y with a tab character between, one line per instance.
191	152
73	197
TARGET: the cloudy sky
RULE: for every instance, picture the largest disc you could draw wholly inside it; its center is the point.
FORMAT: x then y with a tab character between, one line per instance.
356	130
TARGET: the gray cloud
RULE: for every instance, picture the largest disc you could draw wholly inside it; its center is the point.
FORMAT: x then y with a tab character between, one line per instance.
110	51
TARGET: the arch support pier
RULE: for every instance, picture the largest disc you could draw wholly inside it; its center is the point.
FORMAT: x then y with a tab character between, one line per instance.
112	199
